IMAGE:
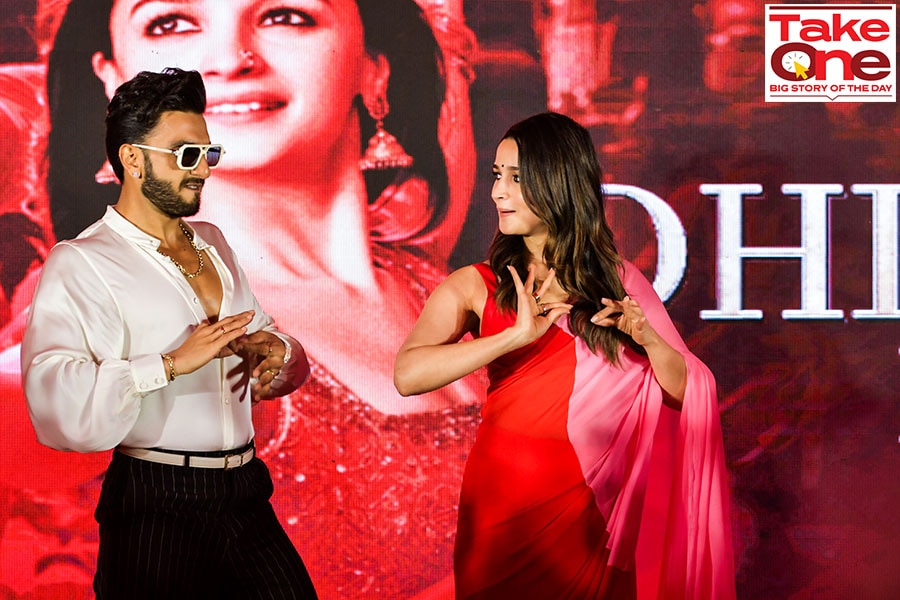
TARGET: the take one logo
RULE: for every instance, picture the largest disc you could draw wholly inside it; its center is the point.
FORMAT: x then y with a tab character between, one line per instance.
831	52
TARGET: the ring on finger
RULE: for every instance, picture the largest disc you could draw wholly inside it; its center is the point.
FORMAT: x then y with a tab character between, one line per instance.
223	331
537	298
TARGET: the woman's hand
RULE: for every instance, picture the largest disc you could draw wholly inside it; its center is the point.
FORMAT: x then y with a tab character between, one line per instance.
533	317
668	365
435	354
625	315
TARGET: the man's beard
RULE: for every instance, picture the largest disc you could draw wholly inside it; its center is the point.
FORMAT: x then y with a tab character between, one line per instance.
163	195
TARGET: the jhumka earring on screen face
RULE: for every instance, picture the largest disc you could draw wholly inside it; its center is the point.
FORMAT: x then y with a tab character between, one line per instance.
106	175
383	151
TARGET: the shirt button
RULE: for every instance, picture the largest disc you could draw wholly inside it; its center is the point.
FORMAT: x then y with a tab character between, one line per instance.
143	385
159	380
196	300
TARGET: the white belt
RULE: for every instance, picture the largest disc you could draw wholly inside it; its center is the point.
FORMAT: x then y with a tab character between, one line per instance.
229	461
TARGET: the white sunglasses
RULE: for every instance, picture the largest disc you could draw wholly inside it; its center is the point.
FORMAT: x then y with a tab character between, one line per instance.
188	155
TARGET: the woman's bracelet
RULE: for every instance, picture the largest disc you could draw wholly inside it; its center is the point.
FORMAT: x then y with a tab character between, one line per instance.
171	362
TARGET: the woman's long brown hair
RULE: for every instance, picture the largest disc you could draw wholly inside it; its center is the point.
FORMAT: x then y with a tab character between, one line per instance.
560	179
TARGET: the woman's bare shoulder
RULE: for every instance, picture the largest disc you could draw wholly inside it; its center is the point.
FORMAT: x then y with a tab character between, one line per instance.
469	276
465	284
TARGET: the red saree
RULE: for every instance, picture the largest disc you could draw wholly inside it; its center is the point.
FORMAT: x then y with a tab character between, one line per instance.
553	494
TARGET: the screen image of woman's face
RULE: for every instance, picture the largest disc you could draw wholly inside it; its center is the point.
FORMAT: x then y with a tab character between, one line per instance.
281	75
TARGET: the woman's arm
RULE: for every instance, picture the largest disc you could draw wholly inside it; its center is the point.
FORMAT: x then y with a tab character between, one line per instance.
642	315
670	370
432	355
668	364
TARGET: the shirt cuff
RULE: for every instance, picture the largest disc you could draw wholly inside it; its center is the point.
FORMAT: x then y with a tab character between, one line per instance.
149	373
289	374
287	346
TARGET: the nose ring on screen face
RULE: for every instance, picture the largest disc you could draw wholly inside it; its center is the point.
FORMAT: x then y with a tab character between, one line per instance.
247	56
187	156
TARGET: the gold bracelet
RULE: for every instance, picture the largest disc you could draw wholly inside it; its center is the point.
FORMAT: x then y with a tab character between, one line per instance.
171	363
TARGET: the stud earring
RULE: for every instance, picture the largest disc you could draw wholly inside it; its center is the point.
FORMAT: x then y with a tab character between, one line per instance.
137	173
383	151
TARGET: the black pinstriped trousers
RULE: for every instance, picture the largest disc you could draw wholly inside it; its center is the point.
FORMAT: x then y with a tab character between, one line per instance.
171	532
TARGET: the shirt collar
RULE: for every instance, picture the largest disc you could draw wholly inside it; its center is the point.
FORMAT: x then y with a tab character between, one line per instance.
134	234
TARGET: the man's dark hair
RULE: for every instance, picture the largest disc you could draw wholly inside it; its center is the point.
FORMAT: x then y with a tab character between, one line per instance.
138	104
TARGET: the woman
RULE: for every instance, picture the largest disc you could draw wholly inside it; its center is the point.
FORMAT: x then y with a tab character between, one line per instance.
587	373
367	481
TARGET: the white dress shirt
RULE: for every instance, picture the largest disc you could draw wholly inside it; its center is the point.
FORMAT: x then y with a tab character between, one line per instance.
105	309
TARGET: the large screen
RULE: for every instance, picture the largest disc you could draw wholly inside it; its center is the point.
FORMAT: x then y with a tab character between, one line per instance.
769	229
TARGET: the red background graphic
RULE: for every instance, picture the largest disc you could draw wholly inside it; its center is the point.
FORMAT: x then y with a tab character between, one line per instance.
672	93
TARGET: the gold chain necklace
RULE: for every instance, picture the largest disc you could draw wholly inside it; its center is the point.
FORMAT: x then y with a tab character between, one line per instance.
194	246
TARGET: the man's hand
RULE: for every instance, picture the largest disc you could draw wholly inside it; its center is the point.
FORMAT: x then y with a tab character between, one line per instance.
265	352
209	341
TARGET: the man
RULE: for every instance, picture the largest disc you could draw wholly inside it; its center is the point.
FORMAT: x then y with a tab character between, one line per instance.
144	336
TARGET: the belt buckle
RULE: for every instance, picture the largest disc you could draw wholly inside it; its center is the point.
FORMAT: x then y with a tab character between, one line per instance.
233	461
